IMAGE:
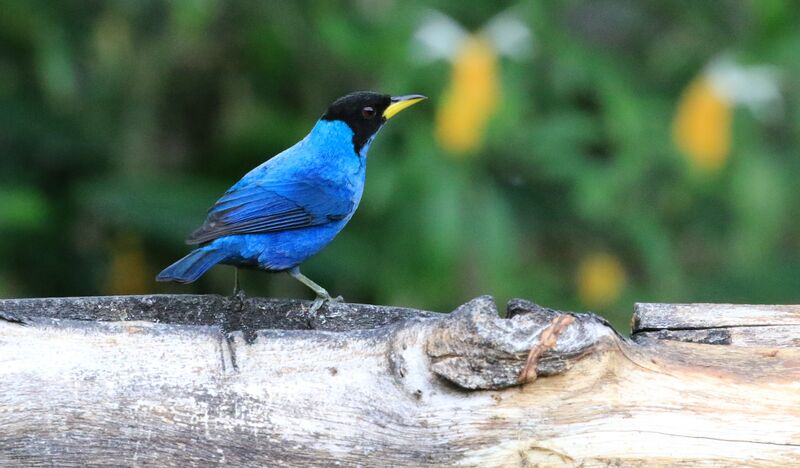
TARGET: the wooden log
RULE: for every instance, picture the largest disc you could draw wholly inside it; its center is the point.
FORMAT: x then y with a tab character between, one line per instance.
204	380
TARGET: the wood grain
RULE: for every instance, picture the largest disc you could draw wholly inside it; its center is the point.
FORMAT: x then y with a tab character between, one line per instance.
649	316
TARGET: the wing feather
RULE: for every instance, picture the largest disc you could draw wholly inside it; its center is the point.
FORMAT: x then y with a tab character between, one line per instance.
261	208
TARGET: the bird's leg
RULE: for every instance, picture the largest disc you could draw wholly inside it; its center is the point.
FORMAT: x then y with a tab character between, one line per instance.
238	292
319	290
322	294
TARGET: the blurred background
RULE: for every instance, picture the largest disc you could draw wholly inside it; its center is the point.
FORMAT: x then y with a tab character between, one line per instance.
581	154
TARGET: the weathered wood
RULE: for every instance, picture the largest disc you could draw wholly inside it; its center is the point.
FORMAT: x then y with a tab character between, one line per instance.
199	380
720	324
649	316
248	314
779	336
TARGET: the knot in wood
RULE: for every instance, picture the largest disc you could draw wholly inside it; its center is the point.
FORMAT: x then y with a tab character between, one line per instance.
477	349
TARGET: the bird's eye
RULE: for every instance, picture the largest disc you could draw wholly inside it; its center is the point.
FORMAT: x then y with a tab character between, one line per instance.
368	112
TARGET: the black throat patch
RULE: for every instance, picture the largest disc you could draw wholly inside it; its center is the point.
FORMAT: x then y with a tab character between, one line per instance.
362	111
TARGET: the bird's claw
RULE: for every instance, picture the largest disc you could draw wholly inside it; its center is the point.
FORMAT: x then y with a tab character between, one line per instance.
316	305
321	300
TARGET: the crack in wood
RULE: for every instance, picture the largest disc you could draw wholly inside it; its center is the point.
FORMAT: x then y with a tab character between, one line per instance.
11	318
229	343
714	439
712	327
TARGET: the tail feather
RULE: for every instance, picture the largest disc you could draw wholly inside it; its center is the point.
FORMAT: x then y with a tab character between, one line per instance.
192	266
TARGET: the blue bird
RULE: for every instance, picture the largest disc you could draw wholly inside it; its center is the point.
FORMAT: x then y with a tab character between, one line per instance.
290	207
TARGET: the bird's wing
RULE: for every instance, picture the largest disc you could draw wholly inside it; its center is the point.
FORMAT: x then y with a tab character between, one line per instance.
272	206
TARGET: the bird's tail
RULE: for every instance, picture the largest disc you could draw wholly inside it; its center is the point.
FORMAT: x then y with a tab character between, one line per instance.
192	266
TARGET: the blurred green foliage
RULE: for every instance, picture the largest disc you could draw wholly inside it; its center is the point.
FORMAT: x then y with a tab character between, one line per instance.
122	121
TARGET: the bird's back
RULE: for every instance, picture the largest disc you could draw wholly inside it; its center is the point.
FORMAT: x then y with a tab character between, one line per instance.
318	180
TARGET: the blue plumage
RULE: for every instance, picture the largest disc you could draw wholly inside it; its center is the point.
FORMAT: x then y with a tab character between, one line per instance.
192	266
290	207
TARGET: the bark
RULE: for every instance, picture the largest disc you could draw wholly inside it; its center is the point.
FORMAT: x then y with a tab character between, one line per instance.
204	380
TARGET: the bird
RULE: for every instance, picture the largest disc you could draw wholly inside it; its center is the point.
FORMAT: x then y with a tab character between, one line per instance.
293	205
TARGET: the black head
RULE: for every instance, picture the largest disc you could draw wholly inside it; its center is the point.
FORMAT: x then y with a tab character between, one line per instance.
362	111
365	112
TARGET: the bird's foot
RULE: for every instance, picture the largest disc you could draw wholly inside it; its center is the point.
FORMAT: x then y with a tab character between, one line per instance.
239	294
311	315
318	303
322	300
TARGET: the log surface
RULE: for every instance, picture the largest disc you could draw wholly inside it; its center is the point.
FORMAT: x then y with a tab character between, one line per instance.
205	380
722	324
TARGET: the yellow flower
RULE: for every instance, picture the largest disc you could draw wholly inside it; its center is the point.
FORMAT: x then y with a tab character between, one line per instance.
600	279
702	126
471	98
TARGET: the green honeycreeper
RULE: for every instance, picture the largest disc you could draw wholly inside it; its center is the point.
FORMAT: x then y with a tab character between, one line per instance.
290	207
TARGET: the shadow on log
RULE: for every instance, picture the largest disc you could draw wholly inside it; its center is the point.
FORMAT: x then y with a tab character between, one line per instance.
199	380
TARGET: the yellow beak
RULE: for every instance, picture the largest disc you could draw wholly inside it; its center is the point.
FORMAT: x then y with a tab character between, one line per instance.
401	102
